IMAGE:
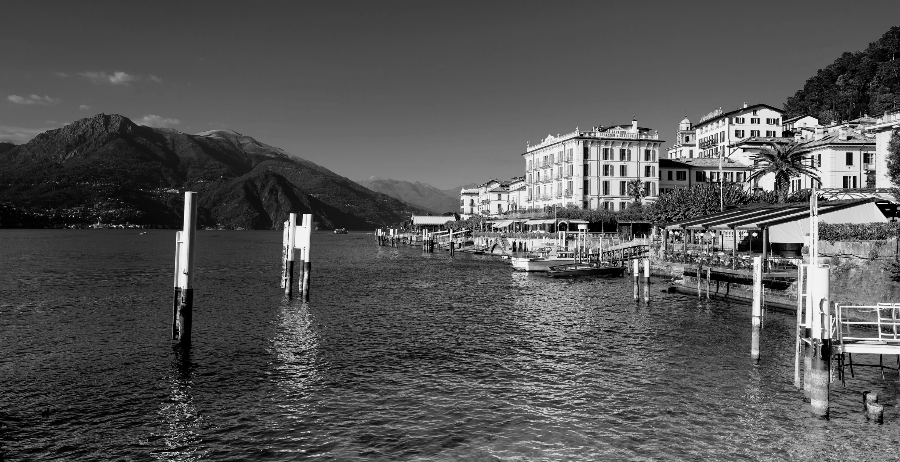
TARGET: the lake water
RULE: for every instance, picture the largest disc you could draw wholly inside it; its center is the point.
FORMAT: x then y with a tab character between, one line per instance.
399	355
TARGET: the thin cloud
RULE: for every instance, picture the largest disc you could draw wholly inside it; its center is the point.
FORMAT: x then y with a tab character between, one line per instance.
116	78
62	74
19	135
33	99
84	107
155	78
151	120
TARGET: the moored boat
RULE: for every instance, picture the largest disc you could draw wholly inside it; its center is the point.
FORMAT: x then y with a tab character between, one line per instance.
542	262
340	231
585	269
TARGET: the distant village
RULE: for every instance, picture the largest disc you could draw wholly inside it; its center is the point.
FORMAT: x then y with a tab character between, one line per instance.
611	167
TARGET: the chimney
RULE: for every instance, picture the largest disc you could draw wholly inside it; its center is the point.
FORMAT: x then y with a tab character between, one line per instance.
745	105
634	124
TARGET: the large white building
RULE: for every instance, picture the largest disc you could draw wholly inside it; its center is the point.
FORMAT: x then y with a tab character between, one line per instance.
592	169
718	130
883	128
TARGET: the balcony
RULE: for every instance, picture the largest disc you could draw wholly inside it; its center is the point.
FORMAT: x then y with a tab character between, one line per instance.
568	193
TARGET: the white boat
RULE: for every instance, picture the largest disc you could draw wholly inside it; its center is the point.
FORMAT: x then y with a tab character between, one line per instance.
542	262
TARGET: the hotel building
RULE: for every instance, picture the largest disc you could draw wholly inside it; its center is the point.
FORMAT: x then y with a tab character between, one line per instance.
592	169
718	130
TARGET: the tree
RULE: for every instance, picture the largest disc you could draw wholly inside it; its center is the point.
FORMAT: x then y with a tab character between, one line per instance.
893	158
785	161
636	190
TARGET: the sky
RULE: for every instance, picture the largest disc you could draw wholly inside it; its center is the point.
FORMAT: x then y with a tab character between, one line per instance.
444	93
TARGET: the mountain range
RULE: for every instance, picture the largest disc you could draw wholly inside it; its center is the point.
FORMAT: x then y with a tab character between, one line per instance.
418	194
106	168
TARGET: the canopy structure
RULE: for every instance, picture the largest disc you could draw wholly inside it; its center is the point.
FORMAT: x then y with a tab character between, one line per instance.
789	223
427	220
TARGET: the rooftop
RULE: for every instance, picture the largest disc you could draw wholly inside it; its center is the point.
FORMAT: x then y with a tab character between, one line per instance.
716	115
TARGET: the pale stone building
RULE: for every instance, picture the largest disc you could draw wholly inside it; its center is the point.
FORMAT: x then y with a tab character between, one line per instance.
592	169
718	130
468	201
685	141
883	128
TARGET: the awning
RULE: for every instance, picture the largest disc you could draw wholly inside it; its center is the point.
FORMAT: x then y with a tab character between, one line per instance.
540	222
502	223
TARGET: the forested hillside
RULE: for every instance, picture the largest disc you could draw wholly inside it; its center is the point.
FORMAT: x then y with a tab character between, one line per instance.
857	83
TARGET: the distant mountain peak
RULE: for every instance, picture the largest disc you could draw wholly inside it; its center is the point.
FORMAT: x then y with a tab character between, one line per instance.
219	132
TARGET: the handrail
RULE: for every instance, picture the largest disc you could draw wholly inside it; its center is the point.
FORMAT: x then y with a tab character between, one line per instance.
864	317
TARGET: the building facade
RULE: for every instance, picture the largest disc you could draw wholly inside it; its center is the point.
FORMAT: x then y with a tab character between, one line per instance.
883	128
468	201
601	168
684	173
718	130
685	141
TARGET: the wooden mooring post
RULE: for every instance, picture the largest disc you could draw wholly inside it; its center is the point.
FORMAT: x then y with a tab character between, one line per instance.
288	246
819	377
635	271
296	244
756	311
183	303
647	280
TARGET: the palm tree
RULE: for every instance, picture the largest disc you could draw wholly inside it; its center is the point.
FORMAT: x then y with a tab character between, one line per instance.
786	161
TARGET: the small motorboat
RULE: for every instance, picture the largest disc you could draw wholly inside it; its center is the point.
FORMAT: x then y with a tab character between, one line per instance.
543	261
340	231
586	269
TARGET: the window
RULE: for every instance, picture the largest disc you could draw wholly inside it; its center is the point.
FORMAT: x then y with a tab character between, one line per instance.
850	182
691	154
586	186
623	188
754	132
571	153
647	155
739	176
529	178
754	120
623	170
529	165
587	152
819	160
607	170
587	170
849	156
754	112
739	133
606	154
700	176
795	185
681	175
669	175
738	120
770	132
687	139
606	188
867	158
499	198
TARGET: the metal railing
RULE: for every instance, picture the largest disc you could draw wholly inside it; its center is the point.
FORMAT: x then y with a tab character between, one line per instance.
867	323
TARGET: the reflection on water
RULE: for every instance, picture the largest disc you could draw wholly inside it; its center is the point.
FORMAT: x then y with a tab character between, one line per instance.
400	355
180	417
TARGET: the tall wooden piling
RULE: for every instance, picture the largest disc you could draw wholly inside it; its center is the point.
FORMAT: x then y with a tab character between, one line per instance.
288	252
708	278
647	280
756	311
635	271
183	304
800	334
819	378
305	239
